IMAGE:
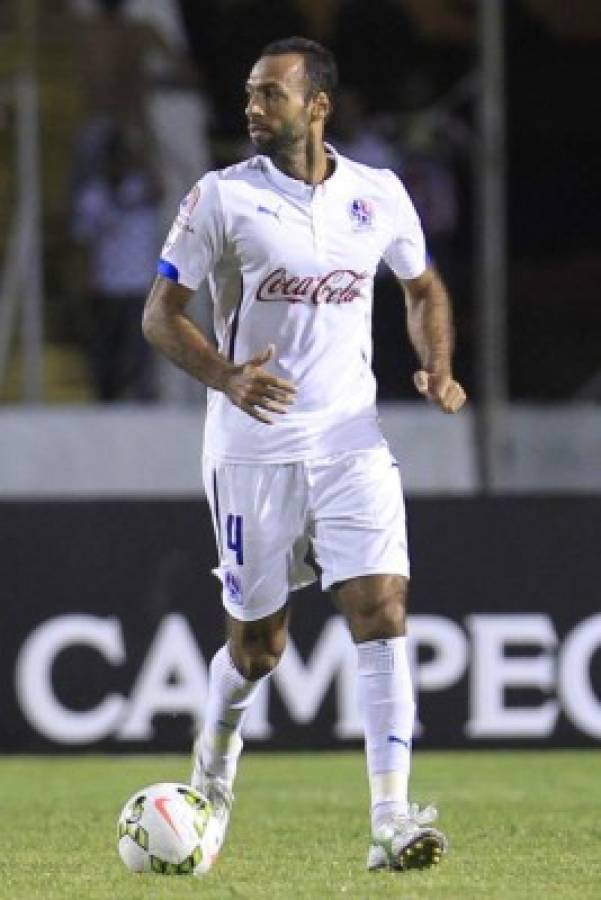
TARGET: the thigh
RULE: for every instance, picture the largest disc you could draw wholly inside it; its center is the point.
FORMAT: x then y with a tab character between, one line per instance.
259	515
359	517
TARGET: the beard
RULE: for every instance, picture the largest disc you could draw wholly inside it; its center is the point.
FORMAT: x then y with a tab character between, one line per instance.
275	143
265	142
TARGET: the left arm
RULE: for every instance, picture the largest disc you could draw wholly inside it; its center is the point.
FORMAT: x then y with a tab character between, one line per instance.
430	327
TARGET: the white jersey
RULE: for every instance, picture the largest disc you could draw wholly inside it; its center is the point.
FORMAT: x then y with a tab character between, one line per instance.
293	264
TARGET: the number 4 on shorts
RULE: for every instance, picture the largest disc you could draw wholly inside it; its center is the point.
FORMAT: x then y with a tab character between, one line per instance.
234	537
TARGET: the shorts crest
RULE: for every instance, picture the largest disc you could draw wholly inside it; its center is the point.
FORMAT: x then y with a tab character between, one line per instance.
233	585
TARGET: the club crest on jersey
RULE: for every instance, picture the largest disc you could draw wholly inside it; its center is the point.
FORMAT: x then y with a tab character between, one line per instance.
361	212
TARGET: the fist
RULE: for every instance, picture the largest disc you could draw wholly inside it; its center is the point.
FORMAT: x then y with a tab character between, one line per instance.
442	389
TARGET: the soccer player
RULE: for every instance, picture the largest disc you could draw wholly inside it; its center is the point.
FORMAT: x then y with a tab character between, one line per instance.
294	459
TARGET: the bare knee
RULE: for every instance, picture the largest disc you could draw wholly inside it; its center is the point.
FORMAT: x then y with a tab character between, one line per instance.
374	606
256	647
256	655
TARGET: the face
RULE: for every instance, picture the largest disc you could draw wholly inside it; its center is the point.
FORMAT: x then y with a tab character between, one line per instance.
278	111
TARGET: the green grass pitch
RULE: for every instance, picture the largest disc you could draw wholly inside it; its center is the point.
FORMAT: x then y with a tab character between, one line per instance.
521	825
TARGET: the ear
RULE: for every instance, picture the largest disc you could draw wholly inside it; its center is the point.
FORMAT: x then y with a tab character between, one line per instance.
322	106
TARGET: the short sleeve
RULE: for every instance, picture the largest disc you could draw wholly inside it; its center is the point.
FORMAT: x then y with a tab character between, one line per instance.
406	254
196	240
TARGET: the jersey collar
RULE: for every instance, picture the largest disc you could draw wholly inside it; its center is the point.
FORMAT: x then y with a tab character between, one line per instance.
294	186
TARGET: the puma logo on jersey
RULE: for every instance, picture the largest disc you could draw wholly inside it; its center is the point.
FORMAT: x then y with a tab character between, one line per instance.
270	212
339	286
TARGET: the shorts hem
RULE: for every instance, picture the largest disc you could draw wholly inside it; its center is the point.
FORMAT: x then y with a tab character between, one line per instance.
327	581
252	614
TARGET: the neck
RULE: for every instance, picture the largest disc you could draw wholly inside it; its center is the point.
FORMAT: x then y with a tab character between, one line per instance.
306	162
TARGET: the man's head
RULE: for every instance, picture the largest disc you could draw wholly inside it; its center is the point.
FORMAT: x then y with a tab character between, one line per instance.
290	93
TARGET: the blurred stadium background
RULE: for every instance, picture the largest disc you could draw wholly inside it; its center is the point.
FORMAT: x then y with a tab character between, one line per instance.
109	612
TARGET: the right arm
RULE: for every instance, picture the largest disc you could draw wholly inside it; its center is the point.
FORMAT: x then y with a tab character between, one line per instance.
169	329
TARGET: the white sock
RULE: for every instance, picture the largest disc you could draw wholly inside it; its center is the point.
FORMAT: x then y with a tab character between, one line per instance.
388	706
230	695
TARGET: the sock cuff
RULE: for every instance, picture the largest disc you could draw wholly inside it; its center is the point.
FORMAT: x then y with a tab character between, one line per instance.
381	656
223	664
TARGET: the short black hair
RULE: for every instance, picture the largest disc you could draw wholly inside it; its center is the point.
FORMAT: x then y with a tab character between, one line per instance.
320	65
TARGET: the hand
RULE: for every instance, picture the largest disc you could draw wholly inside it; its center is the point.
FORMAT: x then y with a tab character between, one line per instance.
440	388
252	389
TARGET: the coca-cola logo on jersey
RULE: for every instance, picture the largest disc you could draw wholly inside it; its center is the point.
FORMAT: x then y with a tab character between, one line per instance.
339	286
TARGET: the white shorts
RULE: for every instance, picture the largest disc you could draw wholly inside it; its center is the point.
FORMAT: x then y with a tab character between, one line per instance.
346	511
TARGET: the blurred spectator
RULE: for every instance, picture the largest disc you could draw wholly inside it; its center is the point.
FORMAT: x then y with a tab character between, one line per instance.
429	176
375	47
436	143
355	136
136	78
225	39
114	57
116	217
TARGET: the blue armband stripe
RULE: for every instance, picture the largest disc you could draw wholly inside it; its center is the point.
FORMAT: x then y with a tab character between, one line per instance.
168	270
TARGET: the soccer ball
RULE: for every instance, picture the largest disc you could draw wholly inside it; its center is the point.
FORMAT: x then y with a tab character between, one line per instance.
166	828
